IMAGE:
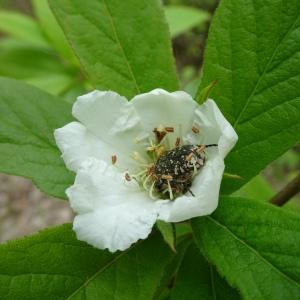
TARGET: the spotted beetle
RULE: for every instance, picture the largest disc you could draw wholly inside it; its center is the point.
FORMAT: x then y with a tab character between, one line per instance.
174	170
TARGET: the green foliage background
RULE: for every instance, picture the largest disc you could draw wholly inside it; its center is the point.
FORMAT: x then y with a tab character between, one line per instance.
248	248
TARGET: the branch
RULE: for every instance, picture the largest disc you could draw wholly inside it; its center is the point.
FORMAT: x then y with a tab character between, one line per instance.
288	192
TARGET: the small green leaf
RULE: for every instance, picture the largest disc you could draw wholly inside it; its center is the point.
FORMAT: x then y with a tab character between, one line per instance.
22	27
255	245
168	232
183	18
123	45
205	92
28	118
253	51
55	265
52	30
197	279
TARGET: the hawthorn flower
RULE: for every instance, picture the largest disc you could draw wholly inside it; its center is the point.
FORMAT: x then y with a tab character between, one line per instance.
159	156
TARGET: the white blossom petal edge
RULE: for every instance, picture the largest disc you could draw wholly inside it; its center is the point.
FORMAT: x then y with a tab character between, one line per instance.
116	149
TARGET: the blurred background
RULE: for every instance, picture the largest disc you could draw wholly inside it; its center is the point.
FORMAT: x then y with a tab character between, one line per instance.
33	49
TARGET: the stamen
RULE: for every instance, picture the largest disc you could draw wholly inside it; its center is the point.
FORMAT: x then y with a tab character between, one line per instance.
141	138
151	191
195	129
165	191
169	129
167	171
167	141
170	190
159	133
145	182
167	177
139	174
162	141
180	132
114	159
127	177
157	149
136	156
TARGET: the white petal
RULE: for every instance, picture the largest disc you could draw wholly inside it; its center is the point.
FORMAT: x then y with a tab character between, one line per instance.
110	117
214	128
77	144
113	213
161	108
206	186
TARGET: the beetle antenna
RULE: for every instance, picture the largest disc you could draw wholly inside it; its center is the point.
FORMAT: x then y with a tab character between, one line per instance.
211	145
191	192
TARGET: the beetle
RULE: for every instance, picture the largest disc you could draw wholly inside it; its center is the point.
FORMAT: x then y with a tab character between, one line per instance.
173	171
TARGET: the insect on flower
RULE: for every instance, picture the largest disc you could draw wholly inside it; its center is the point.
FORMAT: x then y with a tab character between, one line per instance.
159	156
174	171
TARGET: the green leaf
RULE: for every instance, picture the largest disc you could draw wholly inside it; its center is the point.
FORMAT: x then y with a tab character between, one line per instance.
183	18
22	27
28	118
168	232
55	265
255	245
253	51
52	30
197	279
123	45
203	94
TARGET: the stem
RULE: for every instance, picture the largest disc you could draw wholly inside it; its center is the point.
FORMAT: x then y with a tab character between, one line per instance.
288	192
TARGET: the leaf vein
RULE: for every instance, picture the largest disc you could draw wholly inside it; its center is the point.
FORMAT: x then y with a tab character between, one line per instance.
120	46
254	251
264	72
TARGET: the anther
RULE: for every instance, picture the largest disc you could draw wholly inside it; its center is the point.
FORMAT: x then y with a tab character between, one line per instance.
167	177
114	159
195	129
159	133
127	177
169	129
177	143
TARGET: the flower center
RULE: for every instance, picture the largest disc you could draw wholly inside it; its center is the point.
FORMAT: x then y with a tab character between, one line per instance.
169	171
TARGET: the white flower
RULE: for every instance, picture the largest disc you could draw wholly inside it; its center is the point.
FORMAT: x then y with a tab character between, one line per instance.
114	151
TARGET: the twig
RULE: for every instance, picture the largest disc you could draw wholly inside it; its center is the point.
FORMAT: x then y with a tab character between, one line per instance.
289	191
